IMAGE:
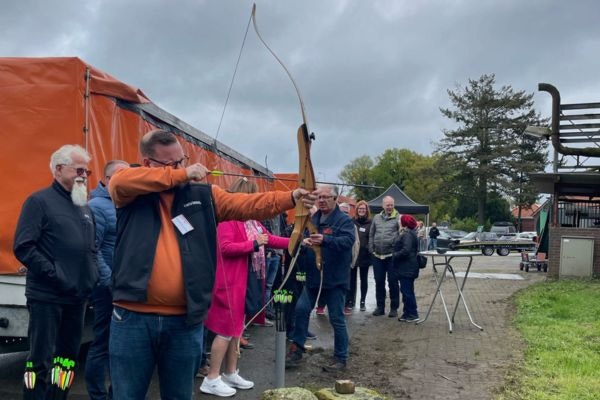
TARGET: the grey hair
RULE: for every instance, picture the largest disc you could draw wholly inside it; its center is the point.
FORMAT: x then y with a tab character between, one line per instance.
64	156
333	188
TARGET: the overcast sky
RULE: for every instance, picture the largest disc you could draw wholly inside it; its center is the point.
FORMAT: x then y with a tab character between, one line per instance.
373	74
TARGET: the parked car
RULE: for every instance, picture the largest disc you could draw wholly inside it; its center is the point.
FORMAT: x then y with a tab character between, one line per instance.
503	228
478	237
457	234
527	235
444	240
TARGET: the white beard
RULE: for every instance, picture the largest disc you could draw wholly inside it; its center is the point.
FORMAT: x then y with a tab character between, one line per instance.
79	192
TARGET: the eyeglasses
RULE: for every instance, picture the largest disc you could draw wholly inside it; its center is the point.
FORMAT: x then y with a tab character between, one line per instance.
78	171
325	197
173	164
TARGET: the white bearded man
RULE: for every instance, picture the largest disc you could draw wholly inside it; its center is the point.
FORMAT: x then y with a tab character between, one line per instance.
55	241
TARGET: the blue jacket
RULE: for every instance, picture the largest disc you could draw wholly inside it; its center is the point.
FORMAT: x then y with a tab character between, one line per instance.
336	251
106	231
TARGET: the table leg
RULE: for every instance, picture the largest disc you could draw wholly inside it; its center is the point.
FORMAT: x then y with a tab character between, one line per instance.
461	296
438	291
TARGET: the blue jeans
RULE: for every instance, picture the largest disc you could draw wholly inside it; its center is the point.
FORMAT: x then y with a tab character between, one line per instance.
139	342
432	243
96	365
334	299
272	264
381	268
407	288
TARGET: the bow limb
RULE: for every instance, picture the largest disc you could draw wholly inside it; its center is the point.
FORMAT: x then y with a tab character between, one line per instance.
306	175
306	180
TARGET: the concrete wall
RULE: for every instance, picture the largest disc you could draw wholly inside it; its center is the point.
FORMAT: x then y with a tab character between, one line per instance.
556	234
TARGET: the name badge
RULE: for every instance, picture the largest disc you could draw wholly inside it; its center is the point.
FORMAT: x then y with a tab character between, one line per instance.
182	224
361	229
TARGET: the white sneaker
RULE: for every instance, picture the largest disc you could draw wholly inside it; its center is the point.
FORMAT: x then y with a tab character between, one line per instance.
236	381
216	387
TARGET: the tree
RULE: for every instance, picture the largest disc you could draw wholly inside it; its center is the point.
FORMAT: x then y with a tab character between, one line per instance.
358	172
529	156
481	151
417	175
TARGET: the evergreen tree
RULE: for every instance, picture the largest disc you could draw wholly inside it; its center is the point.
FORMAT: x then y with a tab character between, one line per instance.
481	154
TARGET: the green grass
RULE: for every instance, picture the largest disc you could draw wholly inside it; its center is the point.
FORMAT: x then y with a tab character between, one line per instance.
560	323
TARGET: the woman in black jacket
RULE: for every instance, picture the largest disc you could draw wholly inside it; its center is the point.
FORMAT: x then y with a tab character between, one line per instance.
406	266
362	220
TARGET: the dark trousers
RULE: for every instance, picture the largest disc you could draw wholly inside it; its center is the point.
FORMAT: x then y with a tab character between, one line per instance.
409	300
335	299
54	331
364	284
381	270
97	366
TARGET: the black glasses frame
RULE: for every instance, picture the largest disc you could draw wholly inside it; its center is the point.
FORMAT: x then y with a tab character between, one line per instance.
173	164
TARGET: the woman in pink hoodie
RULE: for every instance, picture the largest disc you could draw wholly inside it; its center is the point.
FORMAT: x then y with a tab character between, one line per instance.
241	245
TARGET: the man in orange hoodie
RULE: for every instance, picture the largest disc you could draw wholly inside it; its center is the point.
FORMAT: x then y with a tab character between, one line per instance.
164	265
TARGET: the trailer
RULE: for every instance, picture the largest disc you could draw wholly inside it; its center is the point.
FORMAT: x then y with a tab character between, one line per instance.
48	102
500	247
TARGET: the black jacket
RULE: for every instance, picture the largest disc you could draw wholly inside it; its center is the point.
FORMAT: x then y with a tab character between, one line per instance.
55	241
434	232
406	247
138	227
364	256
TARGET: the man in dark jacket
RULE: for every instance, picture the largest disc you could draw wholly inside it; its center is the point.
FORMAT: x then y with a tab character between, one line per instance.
336	237
434	232
105	215
54	239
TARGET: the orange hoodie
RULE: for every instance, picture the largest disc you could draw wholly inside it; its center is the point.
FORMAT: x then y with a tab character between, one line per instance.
166	293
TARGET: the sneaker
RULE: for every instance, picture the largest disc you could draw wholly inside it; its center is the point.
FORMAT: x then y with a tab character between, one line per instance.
378	312
408	318
335	366
294	356
236	381
217	387
347	311
362	306
320	310
393	314
310	336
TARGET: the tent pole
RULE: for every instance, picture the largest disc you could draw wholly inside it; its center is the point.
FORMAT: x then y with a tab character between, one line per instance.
86	102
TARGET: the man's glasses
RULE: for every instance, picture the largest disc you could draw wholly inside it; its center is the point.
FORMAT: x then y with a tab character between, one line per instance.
325	197
173	164
79	171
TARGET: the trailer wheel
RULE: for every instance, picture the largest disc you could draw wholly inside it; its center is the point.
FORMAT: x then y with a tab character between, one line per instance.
487	250
503	251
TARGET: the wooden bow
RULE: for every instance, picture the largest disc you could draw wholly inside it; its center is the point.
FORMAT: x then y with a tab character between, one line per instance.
306	175
306	180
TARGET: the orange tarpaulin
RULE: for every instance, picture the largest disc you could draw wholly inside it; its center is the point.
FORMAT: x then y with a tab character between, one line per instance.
43	106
